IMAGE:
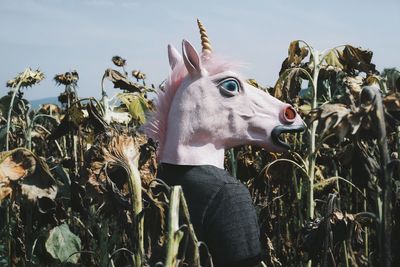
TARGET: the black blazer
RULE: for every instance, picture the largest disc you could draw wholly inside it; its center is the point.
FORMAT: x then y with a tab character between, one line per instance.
221	211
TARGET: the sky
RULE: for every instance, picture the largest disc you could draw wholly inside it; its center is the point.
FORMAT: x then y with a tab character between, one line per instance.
58	36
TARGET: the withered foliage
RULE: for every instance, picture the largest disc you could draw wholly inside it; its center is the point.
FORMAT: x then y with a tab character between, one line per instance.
67	78
138	75
23	172
121	82
118	61
73	182
26	79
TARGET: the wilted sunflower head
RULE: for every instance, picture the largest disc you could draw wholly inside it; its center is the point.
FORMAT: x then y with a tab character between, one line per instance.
119	61
67	78
138	75
26	78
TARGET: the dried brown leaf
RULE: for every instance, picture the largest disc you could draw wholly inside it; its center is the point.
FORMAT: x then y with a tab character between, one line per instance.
121	82
392	102
338	120
354	58
20	166
296	53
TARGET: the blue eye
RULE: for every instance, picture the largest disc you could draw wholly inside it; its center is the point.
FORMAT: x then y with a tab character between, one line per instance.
229	87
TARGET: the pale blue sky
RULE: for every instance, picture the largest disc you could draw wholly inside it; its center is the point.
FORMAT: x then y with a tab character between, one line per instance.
61	35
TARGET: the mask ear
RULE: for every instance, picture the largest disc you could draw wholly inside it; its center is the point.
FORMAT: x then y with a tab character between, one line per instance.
191	59
173	56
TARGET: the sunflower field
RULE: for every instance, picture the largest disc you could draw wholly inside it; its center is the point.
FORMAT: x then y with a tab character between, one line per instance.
78	183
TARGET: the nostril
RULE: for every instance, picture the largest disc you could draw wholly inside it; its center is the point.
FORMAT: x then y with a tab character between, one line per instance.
289	114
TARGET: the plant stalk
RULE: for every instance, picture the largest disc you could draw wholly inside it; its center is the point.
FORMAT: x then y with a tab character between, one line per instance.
312	150
233	162
135	187
174	234
14	90
371	94
185	210
104	99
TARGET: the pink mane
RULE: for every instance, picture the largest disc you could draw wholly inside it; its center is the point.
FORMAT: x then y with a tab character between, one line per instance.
157	125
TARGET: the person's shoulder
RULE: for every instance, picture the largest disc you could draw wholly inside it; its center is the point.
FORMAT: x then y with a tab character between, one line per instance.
233	192
205	179
217	175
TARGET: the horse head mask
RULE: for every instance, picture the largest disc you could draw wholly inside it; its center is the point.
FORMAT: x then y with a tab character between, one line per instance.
207	106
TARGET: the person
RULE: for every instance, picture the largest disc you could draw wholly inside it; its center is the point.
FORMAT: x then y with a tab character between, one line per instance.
221	211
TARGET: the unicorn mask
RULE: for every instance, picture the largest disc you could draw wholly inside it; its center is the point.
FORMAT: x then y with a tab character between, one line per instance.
207	106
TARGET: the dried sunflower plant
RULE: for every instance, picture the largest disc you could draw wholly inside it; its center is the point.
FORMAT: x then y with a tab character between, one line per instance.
81	190
25	79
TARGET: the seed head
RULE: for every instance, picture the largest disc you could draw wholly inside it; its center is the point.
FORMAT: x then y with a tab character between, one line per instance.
27	78
138	75
119	61
67	78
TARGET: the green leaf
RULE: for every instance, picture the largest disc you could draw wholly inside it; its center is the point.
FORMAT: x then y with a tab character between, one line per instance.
137	108
136	104
62	243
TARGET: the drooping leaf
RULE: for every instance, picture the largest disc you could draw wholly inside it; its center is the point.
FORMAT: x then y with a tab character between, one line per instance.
296	53
138	108
62	244
288	86
72	119
67	78
96	119
332	58
117	152
365	166
26	78
76	115
137	105
121	82
31	172
337	119
5	105
354	58
62	129
392	102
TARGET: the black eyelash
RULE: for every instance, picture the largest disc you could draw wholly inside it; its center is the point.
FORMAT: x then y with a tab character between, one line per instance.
219	81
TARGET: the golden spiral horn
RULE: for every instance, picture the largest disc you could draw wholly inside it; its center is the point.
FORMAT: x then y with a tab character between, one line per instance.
205	42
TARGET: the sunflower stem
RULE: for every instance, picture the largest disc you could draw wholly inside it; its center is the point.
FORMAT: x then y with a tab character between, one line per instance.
14	93
104	99
9	233
185	210
365	228
312	147
135	187
174	234
233	162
